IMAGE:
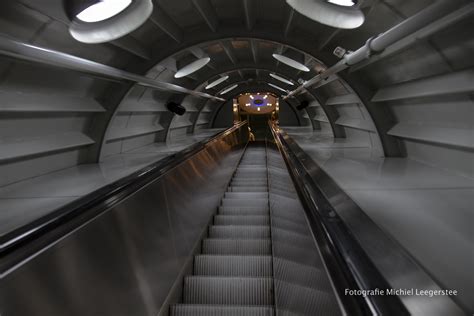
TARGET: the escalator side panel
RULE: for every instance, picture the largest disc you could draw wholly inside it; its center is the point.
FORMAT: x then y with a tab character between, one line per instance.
126	261
302	286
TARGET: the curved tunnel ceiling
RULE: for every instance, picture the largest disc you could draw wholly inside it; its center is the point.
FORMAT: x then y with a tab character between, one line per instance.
240	41
247	60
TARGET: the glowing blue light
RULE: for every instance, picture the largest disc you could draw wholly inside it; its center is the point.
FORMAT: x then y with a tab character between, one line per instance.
259	101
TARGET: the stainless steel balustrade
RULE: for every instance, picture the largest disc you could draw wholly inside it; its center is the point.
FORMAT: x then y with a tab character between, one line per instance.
128	259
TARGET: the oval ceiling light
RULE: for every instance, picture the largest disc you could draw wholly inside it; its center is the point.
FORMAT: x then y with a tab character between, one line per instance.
277	77
103	10
335	13
229	89
344	3
192	67
99	21
290	62
216	82
277	87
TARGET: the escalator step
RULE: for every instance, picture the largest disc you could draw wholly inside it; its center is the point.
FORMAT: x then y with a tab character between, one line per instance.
236	247
252	172
236	266
300	274
259	220
247	179
282	223
261	167
239	202
217	310
250	181
228	290
293	252
236	210
305	301
243	184
239	231
246	195
291	237
244	188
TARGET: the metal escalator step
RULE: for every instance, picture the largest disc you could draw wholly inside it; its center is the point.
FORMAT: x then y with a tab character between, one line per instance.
259	220
258	247
217	310
235	266
244	184
293	252
300	274
247	171
239	231
244	188
228	290
282	223
305	301
295	216
261	167
248	180
239	210
246	195
243	202
298	238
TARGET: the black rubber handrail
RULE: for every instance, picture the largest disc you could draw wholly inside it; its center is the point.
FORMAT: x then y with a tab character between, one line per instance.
347	263
91	205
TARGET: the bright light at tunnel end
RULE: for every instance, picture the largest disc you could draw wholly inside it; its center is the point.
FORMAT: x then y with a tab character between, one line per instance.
103	10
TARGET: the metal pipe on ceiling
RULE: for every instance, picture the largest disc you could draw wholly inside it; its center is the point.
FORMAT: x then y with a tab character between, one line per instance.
377	44
36	54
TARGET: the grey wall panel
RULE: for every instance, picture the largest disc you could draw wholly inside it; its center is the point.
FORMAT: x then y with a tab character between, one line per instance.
125	261
457	160
137	142
23	169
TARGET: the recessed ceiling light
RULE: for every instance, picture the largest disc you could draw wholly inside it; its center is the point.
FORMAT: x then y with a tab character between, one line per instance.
103	10
290	62
277	87
216	82
229	89
335	13
344	3
192	67
277	77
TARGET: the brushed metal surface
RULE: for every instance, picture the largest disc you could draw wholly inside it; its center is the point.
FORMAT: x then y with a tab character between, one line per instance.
398	268
125	261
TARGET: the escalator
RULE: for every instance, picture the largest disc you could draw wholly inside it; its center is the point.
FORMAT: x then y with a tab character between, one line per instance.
258	246
228	227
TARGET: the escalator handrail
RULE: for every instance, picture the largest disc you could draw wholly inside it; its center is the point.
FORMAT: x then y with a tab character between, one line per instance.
348	265
100	199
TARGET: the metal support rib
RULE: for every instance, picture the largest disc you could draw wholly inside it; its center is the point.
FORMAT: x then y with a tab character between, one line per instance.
31	53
